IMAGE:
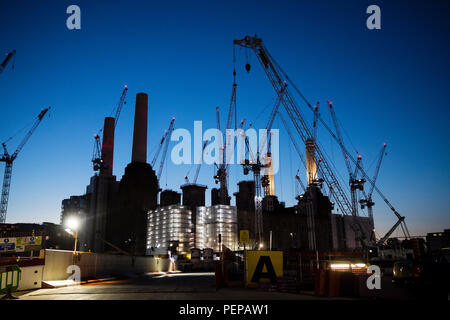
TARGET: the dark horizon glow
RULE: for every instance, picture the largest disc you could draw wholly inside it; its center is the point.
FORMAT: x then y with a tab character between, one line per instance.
389	85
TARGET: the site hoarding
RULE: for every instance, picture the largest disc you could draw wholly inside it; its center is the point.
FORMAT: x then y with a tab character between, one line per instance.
20	244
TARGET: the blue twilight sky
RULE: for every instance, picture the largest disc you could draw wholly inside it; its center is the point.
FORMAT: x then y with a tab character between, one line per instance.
389	85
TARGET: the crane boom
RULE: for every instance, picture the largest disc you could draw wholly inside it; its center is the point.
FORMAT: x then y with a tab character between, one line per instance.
9	160
161	143
120	105
166	146
200	164
377	170
5	62
339	139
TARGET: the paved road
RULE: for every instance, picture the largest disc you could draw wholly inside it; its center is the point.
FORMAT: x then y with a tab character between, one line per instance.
191	286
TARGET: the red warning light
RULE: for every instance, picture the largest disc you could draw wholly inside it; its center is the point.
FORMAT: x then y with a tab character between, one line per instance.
359	157
125	86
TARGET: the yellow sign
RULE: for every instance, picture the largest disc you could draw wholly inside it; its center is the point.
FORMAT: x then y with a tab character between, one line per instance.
264	266
28	243
244	237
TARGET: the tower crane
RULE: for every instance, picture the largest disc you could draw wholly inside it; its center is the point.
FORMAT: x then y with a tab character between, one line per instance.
221	175
255	166
353	182
163	145
367	201
9	160
277	76
266	179
7	59
97	158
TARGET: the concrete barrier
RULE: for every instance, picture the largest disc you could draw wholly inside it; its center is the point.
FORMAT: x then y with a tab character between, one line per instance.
94	265
31	277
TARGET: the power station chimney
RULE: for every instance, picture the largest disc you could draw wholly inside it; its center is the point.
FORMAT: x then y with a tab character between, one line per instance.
311	168
140	129
108	147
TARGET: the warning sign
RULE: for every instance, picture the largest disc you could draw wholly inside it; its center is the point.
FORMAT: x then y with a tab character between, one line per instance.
264	266
244	237
20	244
7	244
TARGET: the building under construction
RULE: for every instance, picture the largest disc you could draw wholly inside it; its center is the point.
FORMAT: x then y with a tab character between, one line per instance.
116	213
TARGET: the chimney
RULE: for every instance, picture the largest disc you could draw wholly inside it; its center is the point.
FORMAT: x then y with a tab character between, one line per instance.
140	129
311	168
108	147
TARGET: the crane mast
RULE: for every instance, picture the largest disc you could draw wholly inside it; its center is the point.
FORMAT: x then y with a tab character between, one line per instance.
9	160
222	170
255	166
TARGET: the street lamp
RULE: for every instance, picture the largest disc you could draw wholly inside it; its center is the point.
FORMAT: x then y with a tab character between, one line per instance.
72	224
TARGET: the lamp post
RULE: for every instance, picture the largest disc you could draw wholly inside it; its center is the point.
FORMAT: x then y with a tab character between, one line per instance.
72	224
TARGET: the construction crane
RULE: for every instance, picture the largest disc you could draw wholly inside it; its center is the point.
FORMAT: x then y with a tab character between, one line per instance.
255	166
163	145
354	183
97	157
9	160
7	59
274	74
367	201
266	183
199	165
221	175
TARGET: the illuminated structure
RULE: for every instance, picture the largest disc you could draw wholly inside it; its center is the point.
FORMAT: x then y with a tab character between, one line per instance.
215	220
169	225
311	167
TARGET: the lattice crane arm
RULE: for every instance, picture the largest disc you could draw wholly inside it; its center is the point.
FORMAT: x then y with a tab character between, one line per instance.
166	146
7	59
30	133
377	170
197	171
120	105
339	139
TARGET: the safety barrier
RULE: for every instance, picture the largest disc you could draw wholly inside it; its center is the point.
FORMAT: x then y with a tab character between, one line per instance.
9	280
